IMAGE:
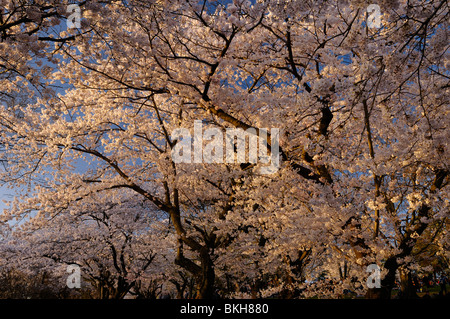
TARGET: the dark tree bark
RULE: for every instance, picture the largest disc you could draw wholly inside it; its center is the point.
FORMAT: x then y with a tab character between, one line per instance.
207	276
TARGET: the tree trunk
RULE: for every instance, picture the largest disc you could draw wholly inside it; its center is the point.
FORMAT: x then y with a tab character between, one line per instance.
205	288
407	288
387	283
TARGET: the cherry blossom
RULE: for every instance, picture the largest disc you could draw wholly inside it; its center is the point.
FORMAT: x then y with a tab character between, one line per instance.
87	117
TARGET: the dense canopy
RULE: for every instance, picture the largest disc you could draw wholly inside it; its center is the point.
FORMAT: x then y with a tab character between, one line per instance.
87	113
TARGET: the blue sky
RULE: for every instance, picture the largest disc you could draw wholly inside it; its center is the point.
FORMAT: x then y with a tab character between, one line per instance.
5	194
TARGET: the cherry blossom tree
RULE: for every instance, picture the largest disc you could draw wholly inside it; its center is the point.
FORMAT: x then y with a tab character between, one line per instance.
363	112
118	243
